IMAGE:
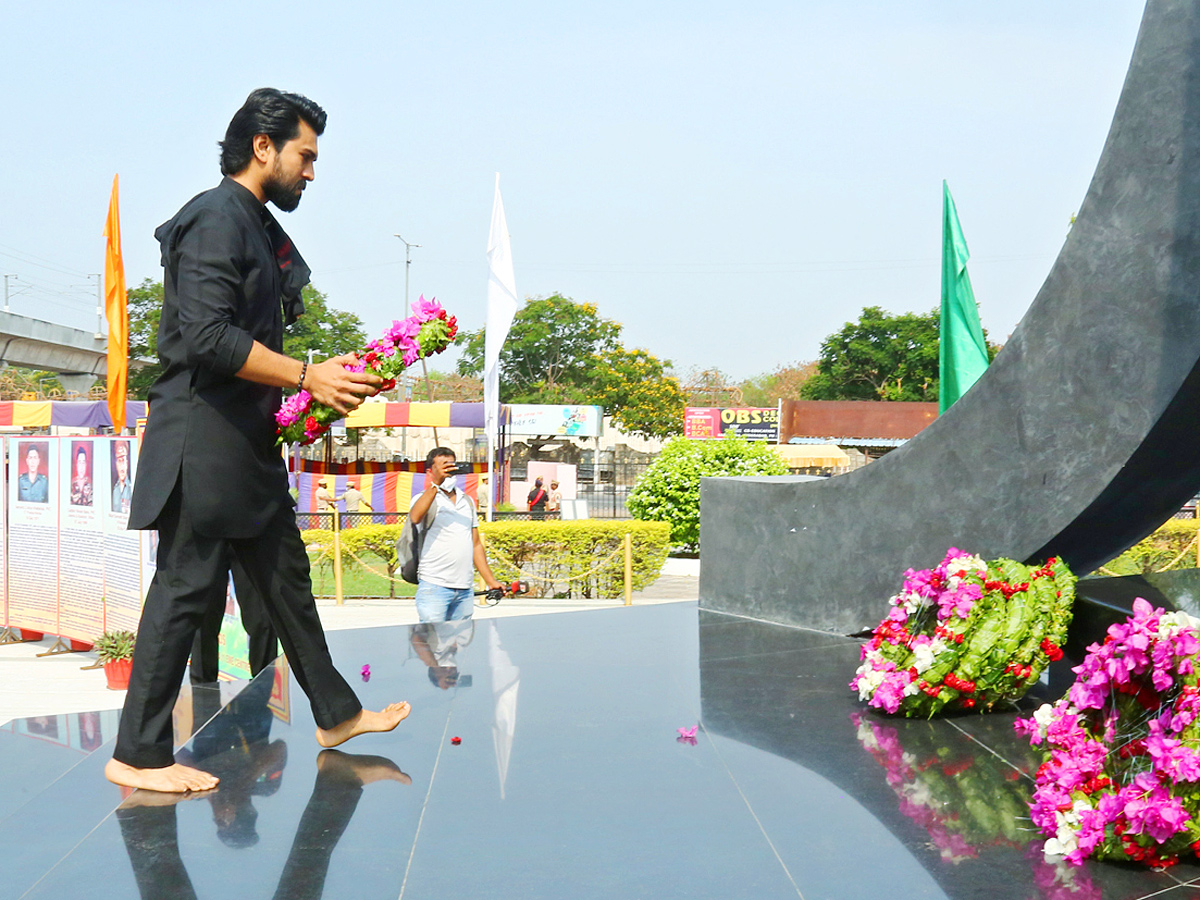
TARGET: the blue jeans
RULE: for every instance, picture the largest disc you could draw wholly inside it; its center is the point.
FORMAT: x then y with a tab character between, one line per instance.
444	604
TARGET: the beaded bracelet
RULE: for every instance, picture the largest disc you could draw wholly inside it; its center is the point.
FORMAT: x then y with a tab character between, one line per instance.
303	372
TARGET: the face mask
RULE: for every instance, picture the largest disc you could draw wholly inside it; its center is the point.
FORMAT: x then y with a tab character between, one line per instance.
449	484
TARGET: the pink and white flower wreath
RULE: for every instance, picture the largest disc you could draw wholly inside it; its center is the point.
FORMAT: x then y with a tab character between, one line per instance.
1122	774
302	420
965	635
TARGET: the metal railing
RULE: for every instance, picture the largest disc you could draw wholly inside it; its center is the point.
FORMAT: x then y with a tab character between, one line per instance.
606	499
324	520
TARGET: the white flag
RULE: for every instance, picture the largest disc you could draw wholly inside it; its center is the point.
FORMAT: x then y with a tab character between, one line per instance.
501	307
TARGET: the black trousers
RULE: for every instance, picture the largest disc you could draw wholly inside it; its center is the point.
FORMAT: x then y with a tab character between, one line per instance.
190	567
262	644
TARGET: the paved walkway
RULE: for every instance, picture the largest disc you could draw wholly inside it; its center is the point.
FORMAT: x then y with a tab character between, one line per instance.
54	685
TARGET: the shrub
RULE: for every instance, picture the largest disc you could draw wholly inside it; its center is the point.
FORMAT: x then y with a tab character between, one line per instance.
558	559
669	489
361	541
575	558
1162	550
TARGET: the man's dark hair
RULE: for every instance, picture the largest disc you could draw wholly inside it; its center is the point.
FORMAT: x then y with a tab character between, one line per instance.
273	113
435	453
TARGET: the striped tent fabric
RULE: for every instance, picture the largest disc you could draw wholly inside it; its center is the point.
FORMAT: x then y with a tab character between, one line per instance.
427	415
67	413
388	487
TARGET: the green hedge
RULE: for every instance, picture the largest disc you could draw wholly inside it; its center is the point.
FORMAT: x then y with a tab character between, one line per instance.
576	559
373	544
1158	552
558	559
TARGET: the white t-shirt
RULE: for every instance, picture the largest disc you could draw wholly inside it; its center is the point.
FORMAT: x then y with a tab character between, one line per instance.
448	553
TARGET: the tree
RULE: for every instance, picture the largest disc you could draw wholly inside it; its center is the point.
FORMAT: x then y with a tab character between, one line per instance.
323	329
669	489
784	383
711	387
549	351
327	331
879	357
447	387
17	383
560	351
144	305
635	390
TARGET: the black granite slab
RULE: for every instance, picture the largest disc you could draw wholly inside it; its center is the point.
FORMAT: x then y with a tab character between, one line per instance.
1079	439
568	781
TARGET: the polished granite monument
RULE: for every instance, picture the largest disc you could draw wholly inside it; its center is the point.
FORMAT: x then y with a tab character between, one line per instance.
569	779
1079	440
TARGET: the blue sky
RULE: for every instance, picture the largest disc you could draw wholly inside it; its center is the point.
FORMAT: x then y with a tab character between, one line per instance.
731	185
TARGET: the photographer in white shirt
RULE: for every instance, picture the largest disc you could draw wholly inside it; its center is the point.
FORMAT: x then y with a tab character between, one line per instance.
451	550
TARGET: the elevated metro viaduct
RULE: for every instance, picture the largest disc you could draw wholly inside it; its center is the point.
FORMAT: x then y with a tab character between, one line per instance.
79	357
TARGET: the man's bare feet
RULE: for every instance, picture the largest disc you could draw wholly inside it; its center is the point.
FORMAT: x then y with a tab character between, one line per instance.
363	767
366	721
173	779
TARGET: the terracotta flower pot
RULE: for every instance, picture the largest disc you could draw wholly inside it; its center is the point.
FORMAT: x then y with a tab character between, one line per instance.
117	672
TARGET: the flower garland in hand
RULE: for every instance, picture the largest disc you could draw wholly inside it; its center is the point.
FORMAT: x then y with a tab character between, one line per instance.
966	635
302	420
1122	773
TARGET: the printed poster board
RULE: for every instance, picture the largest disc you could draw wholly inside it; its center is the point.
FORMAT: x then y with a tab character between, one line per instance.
81	539
33	489
751	423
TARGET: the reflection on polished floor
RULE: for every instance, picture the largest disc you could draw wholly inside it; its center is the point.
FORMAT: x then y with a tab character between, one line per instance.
568	779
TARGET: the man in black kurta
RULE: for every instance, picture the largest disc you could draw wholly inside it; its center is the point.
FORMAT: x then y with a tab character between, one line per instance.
210	477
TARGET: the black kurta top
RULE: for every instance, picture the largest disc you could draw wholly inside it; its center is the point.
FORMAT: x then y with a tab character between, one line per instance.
227	267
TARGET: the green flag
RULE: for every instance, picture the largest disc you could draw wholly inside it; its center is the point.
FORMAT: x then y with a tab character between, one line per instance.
963	354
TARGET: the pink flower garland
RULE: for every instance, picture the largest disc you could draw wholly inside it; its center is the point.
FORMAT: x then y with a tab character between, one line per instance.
430	330
931	651
1122	774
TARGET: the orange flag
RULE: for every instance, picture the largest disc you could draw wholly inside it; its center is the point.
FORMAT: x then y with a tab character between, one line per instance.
118	317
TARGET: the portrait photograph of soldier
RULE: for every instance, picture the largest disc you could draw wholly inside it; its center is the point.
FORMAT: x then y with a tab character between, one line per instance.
122	477
81	473
33	485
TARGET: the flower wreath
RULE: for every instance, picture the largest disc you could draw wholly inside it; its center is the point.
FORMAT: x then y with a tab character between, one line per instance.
966	635
302	420
1122	773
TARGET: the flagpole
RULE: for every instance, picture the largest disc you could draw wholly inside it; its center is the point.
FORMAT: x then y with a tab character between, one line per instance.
501	308
491	482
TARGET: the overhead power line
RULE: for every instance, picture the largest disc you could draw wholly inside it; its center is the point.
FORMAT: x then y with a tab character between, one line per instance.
38	261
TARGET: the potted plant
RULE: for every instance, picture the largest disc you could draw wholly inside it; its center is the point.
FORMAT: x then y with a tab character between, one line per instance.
115	650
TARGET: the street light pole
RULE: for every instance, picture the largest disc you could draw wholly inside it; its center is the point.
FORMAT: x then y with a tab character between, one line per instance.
407	265
425	369
6	277
99	305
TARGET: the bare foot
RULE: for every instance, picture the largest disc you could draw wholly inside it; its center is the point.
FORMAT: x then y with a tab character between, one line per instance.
364	767
366	721
173	779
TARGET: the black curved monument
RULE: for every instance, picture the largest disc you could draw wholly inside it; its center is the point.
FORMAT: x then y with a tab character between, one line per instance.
1082	437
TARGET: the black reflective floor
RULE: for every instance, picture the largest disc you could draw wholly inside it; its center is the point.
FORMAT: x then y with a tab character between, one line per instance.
569	780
